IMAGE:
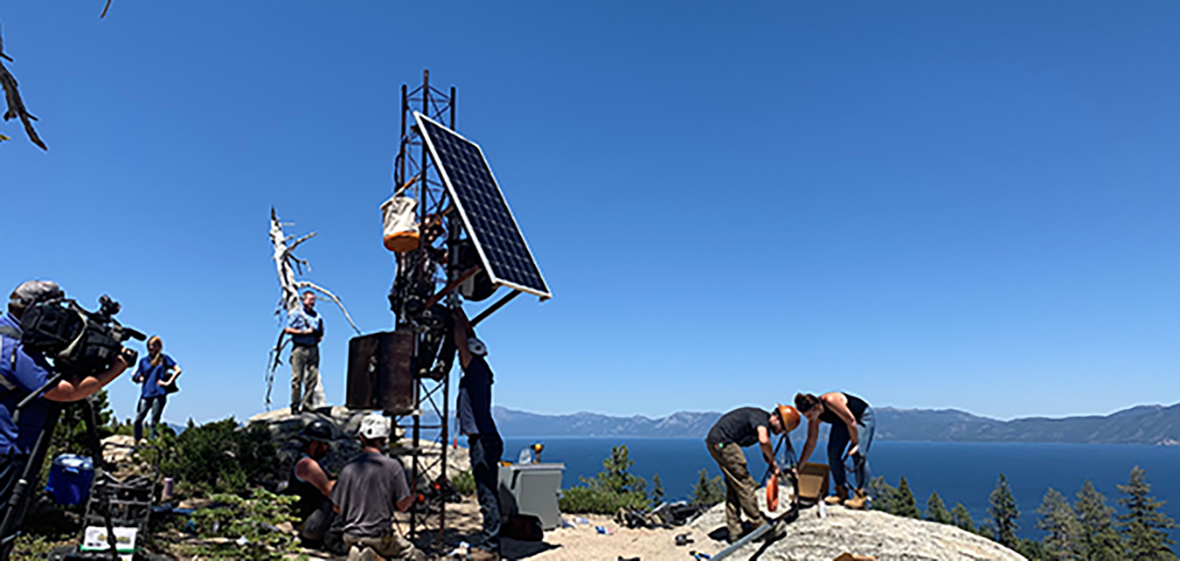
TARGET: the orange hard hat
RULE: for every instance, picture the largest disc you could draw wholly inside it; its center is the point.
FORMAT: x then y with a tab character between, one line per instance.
789	416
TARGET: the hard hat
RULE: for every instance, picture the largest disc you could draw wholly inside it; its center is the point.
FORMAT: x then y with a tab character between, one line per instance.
374	426
318	430
789	416
476	346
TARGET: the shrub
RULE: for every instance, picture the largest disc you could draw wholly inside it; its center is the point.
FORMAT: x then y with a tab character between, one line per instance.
250	522
708	492
219	457
613	488
464	482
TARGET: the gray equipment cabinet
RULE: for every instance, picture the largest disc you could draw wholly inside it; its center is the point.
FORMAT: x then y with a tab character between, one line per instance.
531	489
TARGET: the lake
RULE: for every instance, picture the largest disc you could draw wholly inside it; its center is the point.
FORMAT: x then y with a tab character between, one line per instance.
960	472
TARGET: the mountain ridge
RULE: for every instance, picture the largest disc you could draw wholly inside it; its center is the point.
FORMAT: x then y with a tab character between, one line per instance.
1141	424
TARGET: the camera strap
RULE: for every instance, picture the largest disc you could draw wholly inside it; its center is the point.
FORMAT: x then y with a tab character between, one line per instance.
13	333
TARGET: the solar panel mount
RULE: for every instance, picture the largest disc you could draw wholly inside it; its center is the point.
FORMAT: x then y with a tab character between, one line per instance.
503	251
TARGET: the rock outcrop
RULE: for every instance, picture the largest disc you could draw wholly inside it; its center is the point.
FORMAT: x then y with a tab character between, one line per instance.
285	427
864	533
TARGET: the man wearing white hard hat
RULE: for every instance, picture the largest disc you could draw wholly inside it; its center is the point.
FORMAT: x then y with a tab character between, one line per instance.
483	440
368	490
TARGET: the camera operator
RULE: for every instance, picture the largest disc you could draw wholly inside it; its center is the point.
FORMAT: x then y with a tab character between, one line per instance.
22	373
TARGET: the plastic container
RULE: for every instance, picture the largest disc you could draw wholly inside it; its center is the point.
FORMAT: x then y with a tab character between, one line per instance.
70	478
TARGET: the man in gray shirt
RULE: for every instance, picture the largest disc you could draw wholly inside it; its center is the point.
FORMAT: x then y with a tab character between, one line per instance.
368	490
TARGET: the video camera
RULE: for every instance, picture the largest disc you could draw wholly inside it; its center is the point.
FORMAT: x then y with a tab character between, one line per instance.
79	342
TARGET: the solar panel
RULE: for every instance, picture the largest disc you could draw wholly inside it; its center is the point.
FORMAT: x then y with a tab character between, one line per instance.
485	213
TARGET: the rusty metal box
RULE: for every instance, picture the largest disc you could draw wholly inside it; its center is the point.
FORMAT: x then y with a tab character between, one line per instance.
379	376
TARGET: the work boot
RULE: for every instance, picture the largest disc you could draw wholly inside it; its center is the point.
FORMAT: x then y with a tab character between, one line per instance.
480	554
840	496
858	501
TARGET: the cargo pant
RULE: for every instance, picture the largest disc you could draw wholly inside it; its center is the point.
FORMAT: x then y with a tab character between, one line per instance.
305	377
740	487
389	545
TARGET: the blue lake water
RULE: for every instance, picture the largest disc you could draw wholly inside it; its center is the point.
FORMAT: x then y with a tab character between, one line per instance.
960	472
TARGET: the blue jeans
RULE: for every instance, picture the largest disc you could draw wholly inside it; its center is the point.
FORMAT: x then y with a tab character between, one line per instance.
838	440
486	450
156	406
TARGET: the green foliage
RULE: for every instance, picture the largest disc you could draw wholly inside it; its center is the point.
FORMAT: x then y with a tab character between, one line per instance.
613	488
1099	540
707	491
1031	550
464	482
1004	512
962	518
1144	525
70	435
657	490
218	457
904	503
1060	524
883	494
253	519
936	510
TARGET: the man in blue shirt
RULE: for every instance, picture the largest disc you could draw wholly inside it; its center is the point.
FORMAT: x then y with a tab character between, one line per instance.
21	374
306	328
483	440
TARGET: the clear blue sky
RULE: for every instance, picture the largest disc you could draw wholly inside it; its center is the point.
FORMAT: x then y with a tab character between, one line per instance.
930	204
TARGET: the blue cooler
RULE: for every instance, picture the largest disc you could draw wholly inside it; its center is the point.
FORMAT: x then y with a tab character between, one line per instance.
70	478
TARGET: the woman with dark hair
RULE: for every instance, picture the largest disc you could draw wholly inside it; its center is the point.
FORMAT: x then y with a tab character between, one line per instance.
853	426
153	373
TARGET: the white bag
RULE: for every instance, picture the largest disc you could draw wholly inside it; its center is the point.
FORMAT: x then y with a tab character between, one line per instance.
401	226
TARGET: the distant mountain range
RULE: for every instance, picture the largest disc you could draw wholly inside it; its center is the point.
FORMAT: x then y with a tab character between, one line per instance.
1148	424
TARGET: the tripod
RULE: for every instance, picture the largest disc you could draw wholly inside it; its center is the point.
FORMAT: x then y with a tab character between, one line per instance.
18	503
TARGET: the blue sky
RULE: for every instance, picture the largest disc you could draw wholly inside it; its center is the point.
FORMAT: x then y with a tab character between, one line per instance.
929	204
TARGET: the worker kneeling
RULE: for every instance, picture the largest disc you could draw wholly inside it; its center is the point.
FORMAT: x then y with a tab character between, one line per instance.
736	430
368	490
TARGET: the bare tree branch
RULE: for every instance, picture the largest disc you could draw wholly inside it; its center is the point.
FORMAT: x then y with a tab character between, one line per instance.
16	107
104	10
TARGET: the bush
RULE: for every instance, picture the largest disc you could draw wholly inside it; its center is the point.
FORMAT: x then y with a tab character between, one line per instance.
613	488
464	483
708	492
250	522
219	457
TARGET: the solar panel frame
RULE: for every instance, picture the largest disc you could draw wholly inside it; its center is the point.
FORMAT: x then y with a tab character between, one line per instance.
543	291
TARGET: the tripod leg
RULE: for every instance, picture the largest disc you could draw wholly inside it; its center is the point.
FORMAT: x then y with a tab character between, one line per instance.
91	420
18	503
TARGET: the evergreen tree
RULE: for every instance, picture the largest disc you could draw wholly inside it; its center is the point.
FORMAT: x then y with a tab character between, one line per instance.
1004	512
707	491
657	490
936	511
883	494
615	476
905	504
1061	527
1144	526
962	518
1099	541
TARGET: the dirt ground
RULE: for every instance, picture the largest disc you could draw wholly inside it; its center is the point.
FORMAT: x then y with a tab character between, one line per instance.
581	542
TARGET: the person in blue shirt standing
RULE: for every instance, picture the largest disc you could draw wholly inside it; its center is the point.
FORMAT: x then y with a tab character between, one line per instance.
22	373
153	373
306	329
483	439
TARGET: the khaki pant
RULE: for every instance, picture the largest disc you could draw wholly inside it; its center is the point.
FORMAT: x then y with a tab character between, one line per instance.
739	488
305	376
389	545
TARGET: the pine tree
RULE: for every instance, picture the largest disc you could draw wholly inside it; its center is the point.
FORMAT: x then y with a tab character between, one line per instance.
657	490
883	494
1144	526
1004	512
936	511
1060	523
963	518
707	491
1099	540
905	503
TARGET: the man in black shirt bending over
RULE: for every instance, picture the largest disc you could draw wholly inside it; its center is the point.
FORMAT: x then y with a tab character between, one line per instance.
736	430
